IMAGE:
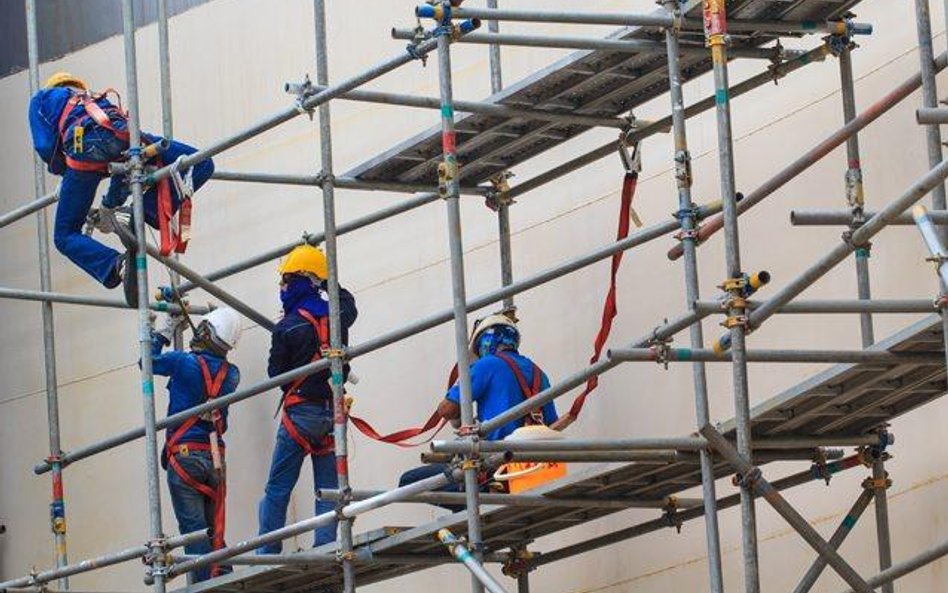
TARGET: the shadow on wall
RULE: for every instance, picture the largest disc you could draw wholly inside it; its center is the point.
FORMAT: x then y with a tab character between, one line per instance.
66	26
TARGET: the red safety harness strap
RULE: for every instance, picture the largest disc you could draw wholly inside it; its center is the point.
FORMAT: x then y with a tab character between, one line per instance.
99	116
609	309
536	416
218	495
292	398
174	228
434	422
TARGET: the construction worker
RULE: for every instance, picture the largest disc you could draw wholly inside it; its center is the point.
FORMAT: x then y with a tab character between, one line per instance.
77	134
194	450
501	378
306	426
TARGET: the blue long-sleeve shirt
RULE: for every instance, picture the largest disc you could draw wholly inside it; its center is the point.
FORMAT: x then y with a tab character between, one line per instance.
494	388
186	385
46	107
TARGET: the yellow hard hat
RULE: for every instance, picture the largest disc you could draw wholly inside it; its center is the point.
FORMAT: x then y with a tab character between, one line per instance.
306	258
65	79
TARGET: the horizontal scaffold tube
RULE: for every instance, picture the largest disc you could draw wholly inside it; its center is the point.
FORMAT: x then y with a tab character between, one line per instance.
931	115
339	182
499	109
788	453
659	18
845	218
69	299
633	46
791	481
101	561
469	447
316	238
859	238
771	356
28	208
349	511
835	306
314	558
906	566
523	500
633	240
816	153
769	76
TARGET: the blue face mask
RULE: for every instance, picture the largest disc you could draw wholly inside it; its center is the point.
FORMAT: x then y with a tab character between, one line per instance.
299	292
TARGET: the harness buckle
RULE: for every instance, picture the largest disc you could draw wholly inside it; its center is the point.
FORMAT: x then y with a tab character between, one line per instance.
631	161
183	450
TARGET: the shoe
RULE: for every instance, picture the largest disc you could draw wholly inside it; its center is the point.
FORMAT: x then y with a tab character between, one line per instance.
115	277
130	279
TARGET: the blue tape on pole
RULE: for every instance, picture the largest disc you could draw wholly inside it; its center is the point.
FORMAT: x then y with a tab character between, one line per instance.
139	262
148	387
337	379
720	96
849	521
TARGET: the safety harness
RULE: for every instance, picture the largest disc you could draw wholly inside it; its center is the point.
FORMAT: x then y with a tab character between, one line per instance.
174	227
293	397
174	447
535	416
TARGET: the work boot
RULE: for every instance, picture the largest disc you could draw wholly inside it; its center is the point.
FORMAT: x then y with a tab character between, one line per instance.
130	279
115	276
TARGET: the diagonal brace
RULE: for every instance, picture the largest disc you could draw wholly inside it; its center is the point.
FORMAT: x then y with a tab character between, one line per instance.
750	473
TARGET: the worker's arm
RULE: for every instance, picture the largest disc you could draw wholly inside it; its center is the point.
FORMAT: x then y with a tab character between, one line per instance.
450	406
347	308
163	363
278	362
450	411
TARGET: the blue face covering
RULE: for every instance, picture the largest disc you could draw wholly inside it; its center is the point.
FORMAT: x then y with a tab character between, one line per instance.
493	338
301	293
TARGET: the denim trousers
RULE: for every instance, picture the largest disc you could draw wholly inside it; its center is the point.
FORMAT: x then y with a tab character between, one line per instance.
77	193
313	421
192	509
427	471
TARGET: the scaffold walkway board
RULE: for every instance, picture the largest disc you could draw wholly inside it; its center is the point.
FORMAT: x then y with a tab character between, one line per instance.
602	83
845	399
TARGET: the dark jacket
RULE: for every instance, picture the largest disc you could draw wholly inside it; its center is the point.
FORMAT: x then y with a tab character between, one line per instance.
293	344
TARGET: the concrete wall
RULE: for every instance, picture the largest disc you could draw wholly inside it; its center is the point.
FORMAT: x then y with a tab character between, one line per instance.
229	61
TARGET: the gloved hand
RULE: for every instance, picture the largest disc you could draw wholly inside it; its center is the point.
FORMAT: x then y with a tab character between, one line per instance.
102	219
168	326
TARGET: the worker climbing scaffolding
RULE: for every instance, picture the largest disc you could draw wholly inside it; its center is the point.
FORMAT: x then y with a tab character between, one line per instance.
79	134
194	450
306	424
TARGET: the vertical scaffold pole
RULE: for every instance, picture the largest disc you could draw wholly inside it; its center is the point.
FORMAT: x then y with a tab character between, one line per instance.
57	506
335	321
880	484
448	186
855	196
156	534
167	124
687	219
501	201
715	22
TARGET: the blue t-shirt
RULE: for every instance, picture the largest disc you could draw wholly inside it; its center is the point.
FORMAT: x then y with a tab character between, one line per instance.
186	385
495	390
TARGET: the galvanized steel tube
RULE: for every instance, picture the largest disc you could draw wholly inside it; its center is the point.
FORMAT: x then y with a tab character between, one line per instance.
819	151
830	306
845	218
57	507
931	116
656	19
776	356
688	222
464	556
70	299
340	418
906	566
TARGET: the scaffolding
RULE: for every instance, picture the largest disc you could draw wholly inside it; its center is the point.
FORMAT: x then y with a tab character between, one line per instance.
596	87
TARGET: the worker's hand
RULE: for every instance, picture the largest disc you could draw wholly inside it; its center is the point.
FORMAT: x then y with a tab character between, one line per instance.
169	324
105	220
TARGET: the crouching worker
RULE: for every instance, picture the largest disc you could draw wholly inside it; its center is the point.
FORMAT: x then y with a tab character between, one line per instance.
78	133
306	426
194	450
501	378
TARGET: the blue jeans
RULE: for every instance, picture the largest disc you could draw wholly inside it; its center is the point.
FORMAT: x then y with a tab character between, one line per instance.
77	192
313	421
192	509
427	471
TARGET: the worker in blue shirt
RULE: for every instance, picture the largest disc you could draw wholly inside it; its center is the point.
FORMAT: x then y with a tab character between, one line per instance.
501	378
194	450
77	134
306	426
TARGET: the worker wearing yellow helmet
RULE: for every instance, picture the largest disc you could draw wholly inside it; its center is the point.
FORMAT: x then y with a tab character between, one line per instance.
306	424
78	133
